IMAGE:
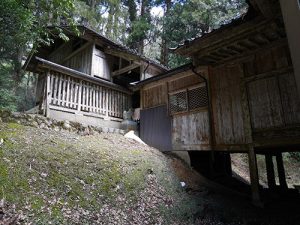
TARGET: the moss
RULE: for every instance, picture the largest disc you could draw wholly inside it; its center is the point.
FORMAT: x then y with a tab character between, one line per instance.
110	179
37	203
56	213
13	125
3	176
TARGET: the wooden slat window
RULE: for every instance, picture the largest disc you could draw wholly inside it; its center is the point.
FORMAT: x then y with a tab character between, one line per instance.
178	102
189	99
197	98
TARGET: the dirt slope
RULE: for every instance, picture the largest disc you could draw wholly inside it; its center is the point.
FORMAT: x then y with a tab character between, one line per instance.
60	177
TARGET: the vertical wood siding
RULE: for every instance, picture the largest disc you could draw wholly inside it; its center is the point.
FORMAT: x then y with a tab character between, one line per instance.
100	66
61	53
265	103
154	96
190	131
227	104
272	92
82	61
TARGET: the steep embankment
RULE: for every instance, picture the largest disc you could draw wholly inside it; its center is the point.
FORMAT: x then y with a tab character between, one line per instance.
62	177
64	173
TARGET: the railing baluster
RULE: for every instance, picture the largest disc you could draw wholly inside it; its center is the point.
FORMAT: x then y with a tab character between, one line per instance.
69	86
67	92
79	96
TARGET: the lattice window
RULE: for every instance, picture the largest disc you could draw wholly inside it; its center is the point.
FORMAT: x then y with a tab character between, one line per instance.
178	102
188	99
197	98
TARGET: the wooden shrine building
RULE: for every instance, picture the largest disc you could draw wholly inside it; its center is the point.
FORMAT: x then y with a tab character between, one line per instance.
86	79
238	95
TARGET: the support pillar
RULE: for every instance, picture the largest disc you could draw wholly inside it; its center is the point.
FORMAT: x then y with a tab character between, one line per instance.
270	171
281	172
228	166
254	178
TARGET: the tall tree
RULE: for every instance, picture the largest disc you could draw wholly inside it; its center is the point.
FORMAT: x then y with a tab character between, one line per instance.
164	55
140	23
189	19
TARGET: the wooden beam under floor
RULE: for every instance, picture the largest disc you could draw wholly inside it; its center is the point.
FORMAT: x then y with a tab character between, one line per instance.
254	179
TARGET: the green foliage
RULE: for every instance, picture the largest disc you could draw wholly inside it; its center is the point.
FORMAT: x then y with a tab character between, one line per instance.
15	23
20	97
7	96
189	19
23	27
295	155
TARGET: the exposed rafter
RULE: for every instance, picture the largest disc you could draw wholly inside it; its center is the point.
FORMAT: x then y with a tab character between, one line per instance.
118	53
126	69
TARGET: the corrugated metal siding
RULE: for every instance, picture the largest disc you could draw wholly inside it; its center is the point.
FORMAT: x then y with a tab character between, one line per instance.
155	128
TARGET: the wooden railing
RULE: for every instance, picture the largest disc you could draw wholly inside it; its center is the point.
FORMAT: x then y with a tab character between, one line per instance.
72	94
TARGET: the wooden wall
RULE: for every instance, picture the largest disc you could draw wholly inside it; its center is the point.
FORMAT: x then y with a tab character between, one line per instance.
272	93
155	94
189	130
79	59
257	93
100	67
226	103
82	61
273	96
61	53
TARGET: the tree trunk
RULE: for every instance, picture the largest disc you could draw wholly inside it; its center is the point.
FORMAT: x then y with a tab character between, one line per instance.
164	45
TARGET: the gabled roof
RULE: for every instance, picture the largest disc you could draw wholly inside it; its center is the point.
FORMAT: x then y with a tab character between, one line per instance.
89	34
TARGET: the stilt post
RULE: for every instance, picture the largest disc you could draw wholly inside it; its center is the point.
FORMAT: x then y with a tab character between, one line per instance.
270	171
254	177
281	172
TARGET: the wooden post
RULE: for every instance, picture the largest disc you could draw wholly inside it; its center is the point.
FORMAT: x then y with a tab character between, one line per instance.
75	100
270	171
106	103
48	94
227	161
254	177
59	96
64	80
79	96
55	88
281	172
69	92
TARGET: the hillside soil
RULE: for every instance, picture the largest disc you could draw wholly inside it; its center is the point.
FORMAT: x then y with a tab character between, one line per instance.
61	177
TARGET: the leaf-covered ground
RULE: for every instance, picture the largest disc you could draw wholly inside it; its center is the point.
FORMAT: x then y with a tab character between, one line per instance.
60	177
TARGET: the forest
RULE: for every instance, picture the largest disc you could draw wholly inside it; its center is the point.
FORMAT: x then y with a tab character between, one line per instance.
150	27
